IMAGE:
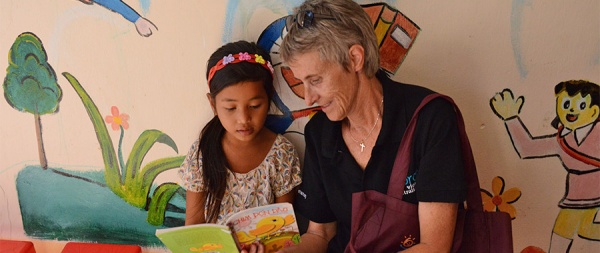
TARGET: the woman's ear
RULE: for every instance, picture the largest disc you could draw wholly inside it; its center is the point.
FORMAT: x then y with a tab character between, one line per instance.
212	102
357	57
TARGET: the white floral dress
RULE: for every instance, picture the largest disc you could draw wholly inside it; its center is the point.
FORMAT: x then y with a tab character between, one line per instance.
277	175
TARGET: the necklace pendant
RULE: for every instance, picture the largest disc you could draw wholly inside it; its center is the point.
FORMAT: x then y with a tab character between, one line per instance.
362	147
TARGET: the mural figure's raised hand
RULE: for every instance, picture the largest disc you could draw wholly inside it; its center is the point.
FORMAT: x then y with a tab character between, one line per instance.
505	105
144	27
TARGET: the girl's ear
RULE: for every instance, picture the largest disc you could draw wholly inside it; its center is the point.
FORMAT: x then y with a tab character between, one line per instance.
212	102
357	57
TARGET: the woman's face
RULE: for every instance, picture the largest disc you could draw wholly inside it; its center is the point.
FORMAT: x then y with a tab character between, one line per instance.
327	84
242	109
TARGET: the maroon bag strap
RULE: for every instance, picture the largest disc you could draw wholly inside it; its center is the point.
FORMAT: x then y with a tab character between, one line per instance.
402	161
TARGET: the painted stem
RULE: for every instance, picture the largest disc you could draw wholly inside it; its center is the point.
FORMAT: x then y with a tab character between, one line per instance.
121	163
38	133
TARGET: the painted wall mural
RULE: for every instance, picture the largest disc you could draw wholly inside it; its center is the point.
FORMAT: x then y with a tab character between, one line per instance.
500	199
143	26
30	84
575	143
108	129
93	204
133	206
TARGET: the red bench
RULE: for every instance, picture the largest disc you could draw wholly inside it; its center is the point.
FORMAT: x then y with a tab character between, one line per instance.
12	246
83	247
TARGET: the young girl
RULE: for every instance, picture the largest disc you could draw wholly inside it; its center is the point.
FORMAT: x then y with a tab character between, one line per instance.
237	163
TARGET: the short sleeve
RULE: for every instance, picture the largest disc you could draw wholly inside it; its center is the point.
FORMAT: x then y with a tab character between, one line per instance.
191	170
286	173
312	200
437	153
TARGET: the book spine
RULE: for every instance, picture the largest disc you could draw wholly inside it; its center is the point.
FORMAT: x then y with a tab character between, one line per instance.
234	235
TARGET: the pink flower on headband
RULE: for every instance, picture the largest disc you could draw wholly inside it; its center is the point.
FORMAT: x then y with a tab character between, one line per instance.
244	56
259	59
228	59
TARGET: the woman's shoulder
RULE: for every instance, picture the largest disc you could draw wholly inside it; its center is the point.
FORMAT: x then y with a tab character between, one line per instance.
409	96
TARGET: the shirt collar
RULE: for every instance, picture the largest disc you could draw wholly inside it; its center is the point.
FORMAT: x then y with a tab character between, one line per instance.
580	133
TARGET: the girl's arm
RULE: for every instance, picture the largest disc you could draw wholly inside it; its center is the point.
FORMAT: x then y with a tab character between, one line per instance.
194	207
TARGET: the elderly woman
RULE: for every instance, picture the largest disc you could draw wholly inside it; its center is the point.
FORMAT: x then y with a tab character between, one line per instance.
352	143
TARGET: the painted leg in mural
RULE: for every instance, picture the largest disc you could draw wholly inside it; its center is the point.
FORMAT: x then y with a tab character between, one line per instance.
571	222
566	225
559	244
590	224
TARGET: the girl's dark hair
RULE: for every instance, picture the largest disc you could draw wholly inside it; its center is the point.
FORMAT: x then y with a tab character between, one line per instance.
214	162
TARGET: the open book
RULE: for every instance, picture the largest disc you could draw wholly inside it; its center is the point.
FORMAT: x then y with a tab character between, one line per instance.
273	225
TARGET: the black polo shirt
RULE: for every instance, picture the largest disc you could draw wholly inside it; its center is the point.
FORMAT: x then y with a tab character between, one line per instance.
331	174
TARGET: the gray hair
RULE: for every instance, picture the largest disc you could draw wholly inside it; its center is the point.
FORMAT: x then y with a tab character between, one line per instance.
333	38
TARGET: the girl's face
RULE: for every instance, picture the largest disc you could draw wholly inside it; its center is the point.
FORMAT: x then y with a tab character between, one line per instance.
242	109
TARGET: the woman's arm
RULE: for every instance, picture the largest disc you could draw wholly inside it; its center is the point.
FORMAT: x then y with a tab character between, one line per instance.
437	222
316	239
194	207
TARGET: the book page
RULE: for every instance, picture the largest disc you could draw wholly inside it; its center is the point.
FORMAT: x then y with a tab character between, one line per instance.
198	238
273	225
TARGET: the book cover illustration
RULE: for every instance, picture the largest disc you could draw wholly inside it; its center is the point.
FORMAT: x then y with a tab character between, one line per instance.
273	225
201	238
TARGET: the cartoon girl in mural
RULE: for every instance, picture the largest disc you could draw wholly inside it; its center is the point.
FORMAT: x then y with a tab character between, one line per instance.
143	26
575	144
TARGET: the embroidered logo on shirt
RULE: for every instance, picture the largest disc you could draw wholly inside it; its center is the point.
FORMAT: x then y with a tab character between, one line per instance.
302	194
408	242
409	186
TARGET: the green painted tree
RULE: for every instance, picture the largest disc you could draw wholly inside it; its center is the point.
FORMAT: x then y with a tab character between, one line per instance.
30	84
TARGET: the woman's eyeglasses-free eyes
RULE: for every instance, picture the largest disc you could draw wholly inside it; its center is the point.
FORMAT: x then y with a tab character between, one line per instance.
304	19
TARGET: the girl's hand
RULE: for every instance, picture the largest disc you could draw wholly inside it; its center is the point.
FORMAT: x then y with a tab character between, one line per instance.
255	247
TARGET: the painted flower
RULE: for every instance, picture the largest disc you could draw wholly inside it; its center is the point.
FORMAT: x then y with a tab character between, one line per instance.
532	249
117	119
259	59
500	200
244	56
270	67
228	59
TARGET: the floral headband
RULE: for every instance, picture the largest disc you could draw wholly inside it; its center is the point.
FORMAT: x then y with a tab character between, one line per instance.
236	58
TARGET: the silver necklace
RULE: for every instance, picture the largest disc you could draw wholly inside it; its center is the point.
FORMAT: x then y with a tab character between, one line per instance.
362	142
